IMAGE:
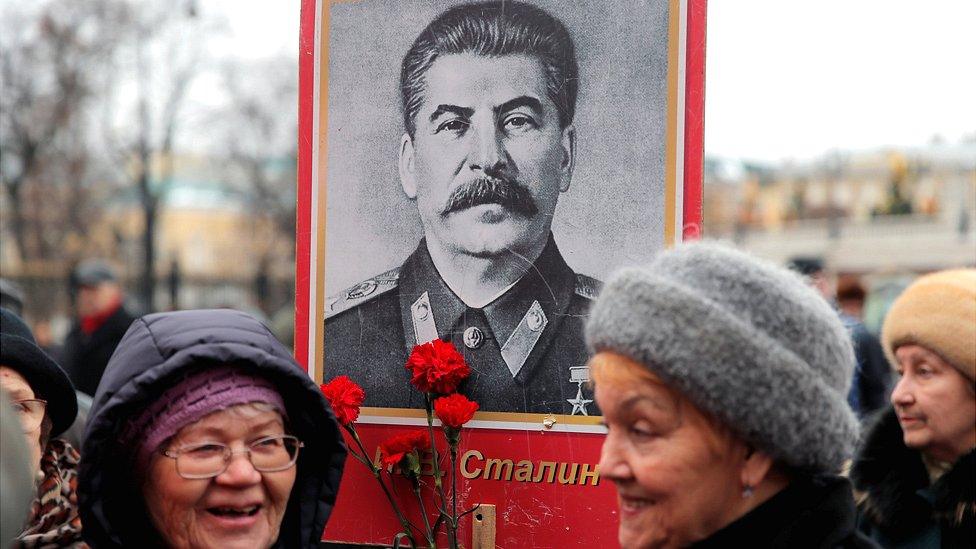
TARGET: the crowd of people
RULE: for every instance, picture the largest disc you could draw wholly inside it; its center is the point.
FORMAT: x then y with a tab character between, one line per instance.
746	405
724	382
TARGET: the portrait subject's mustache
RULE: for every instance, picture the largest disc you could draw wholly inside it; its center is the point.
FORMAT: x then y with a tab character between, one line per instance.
492	190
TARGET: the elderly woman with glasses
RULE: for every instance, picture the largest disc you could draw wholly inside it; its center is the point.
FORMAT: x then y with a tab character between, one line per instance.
43	400
204	432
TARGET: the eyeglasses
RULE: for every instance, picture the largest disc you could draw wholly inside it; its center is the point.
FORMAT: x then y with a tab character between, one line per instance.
30	411
209	459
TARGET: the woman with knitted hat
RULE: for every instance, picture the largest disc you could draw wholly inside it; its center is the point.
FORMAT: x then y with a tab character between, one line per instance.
204	432
45	403
916	469
722	380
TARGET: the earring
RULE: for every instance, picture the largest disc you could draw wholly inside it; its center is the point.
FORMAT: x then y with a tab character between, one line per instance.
39	476
747	492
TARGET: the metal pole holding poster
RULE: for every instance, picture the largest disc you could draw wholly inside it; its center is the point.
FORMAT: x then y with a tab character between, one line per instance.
452	188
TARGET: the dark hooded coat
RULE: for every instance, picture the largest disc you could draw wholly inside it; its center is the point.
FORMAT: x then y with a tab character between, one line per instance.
158	347
898	506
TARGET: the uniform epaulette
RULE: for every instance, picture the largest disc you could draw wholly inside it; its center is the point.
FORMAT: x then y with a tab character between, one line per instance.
366	290
587	287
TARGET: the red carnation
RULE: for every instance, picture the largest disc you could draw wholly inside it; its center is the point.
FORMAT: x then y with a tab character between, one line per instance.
455	410
393	450
437	367
346	397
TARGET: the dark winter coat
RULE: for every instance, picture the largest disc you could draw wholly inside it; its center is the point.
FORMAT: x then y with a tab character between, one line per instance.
812	513
85	356
897	505
155	349
872	376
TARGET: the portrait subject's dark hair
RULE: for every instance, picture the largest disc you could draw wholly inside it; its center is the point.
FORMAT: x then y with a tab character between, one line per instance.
493	29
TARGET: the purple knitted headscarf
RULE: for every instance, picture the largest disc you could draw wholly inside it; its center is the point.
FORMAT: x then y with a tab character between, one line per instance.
196	396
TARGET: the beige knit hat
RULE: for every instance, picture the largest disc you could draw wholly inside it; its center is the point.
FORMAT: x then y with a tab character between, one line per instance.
938	312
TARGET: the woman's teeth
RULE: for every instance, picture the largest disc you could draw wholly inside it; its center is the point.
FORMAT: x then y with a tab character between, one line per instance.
234	511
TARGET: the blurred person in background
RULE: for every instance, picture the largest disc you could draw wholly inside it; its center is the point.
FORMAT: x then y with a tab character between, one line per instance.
44	401
851	296
282	323
916	469
726	414
205	432
11	297
100	322
44	335
869	390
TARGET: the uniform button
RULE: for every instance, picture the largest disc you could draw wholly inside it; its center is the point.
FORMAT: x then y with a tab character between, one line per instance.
473	337
535	320
422	311
362	289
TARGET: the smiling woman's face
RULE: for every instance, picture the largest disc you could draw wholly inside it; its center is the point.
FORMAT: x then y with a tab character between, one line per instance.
677	473
241	507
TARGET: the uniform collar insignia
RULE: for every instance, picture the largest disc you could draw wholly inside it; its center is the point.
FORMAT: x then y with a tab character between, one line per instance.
535	301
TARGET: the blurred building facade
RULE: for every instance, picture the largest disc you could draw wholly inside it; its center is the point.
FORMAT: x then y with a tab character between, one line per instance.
906	210
216	245
883	216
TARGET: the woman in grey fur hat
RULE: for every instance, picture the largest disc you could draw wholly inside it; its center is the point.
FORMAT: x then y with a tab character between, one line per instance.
722	380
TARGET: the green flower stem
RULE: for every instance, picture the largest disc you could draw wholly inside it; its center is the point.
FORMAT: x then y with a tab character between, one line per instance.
451	533
361	459
407	525
423	513
454	517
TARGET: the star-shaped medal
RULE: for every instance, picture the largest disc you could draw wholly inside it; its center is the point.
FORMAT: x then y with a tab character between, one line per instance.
579	403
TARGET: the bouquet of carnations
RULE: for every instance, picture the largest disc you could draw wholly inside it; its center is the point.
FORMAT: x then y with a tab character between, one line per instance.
436	370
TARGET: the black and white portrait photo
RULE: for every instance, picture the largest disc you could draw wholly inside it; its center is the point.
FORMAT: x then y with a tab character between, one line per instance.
485	166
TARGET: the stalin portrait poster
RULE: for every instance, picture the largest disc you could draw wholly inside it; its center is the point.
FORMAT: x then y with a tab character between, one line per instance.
470	172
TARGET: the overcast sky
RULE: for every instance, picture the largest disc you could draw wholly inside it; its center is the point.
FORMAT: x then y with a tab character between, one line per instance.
785	79
794	79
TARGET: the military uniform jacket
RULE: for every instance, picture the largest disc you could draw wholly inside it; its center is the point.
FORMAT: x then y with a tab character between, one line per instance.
525	349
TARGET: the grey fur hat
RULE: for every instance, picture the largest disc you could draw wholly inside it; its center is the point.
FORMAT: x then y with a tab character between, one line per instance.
743	339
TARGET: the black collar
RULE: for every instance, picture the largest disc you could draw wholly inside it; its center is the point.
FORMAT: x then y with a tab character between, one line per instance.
810	512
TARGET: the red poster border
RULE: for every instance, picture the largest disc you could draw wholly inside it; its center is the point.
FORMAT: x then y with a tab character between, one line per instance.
303	211
694	159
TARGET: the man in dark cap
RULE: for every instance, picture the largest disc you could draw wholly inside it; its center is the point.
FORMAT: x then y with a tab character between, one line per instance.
101	321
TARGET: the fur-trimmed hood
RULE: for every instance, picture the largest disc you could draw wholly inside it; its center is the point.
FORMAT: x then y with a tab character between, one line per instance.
895	498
